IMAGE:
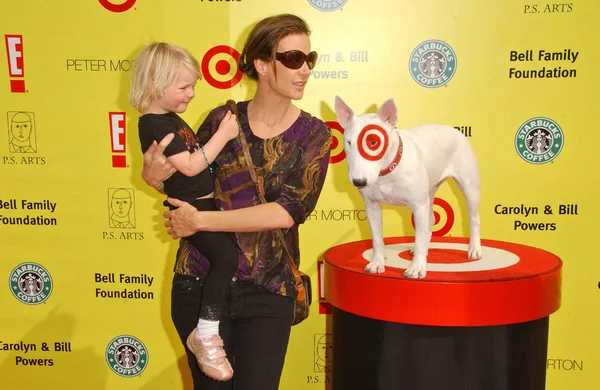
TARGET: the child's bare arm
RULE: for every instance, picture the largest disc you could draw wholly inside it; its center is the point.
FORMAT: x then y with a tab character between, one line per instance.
191	164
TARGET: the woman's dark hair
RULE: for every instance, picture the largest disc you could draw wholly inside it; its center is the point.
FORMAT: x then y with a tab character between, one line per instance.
263	39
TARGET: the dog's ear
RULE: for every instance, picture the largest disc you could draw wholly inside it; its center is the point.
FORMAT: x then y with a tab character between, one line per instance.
388	112
343	112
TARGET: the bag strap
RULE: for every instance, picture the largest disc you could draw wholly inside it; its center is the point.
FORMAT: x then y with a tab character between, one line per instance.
261	194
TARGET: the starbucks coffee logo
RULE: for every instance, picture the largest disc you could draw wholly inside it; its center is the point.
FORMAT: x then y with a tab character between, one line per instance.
327	5
539	140
127	356
432	63
30	283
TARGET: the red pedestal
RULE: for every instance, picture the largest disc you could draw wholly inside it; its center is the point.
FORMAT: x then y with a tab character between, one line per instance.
482	322
511	283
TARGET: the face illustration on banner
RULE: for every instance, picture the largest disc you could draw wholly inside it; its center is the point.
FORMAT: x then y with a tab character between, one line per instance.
21	132
219	67
121	208
432	63
126	356
539	140
30	283
323	346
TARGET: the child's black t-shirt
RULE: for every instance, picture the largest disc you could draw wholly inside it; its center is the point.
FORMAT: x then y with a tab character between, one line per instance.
154	127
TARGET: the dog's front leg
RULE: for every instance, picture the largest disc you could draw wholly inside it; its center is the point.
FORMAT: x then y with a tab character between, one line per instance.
374	215
418	265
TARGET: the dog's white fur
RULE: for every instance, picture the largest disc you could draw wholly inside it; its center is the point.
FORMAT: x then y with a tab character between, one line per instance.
432	153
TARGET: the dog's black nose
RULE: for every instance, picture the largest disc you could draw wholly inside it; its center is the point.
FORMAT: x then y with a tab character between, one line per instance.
359	182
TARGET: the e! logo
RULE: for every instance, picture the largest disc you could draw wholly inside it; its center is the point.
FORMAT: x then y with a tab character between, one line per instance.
116	121
117	7
14	52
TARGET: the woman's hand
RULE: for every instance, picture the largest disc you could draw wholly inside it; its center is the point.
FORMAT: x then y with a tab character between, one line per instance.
181	221
156	166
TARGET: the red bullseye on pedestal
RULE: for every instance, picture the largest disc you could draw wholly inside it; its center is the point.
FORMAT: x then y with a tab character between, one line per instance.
512	283
436	256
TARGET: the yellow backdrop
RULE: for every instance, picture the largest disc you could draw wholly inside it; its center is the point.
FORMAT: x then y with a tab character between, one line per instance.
79	229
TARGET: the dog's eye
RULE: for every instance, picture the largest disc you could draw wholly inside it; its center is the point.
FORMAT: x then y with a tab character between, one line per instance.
348	143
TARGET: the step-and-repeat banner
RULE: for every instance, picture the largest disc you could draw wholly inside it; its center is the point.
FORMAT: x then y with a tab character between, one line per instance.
85	261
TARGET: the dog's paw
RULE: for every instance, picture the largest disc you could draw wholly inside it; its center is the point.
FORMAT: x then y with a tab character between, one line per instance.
375	268
417	270
475	252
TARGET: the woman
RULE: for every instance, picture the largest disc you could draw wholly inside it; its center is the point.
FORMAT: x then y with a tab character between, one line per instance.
290	151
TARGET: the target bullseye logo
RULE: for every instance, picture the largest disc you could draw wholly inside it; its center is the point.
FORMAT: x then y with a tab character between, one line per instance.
494	258
337	142
372	142
445	228
122	7
219	59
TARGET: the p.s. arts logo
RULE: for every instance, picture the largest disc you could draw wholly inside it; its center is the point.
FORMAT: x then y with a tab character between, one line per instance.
22	139
220	67
116	122
323	352
121	215
126	356
432	63
322	359
117	6
539	140
22	136
16	68
121	208
327	5
30	283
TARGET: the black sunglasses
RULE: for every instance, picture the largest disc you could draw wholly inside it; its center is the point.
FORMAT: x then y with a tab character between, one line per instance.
294	59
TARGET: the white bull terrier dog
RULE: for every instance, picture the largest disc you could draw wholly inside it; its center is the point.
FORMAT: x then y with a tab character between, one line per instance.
406	167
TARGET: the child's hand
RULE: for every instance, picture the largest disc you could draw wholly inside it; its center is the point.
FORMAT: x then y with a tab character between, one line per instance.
229	126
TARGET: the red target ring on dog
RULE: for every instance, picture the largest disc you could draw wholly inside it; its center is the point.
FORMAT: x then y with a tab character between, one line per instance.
440	232
372	142
337	142
222	67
